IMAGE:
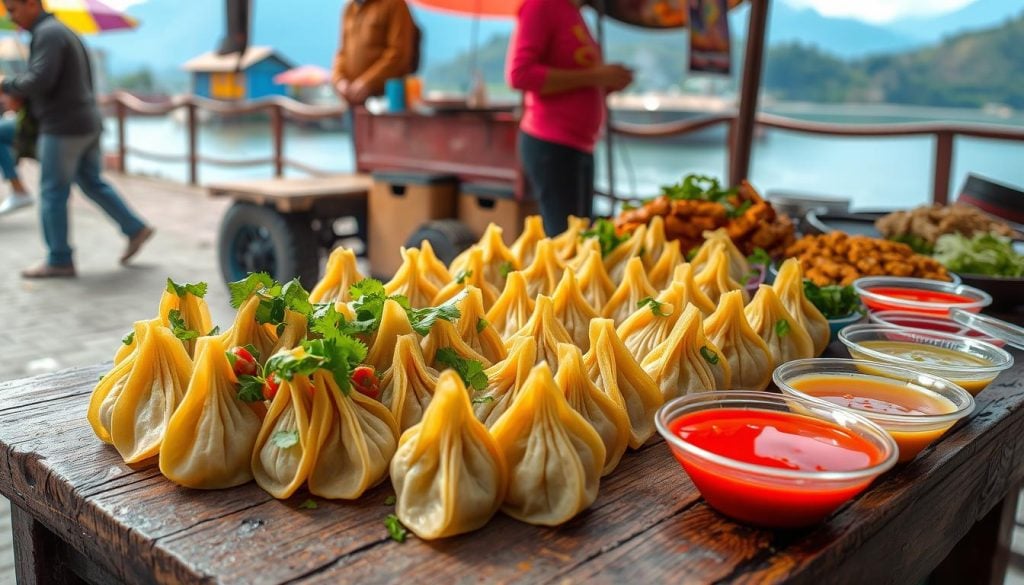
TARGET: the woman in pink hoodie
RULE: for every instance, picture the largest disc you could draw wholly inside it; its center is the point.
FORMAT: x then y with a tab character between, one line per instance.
555	62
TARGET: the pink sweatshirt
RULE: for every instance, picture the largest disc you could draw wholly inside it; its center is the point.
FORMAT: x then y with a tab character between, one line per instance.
552	34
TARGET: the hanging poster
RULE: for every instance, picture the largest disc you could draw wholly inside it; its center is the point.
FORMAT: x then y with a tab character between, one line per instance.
710	48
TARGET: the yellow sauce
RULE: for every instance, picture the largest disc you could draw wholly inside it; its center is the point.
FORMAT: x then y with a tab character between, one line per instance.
930	356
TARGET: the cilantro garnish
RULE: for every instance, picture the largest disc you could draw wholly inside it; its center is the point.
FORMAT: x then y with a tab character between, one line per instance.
337	353
481	324
178	327
214	331
607	237
833	301
471	371
781	328
197	289
285	439
461	277
128	339
248	286
705	188
422	320
368	305
759	257
506	268
482	399
390	500
655	305
274	297
708	355
309	504
396	531
250	388
692	253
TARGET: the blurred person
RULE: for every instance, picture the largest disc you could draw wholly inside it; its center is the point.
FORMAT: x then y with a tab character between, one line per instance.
58	85
18	197
558	66
378	42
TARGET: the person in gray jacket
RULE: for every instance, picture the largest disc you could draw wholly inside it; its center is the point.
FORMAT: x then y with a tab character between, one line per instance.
58	84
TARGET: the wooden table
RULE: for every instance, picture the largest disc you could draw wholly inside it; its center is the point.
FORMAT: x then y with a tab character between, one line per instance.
79	509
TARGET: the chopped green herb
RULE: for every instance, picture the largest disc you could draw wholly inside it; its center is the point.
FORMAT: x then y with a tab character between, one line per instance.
607	236
285	439
481	324
738	211
390	500
471	371
178	327
197	289
833	301
657	307
760	257
253	283
987	254
700	187
506	268
422	320
309	504
250	388
338	353
482	399
128	339
275	298
214	331
690	255
461	277
781	328
396	531
709	356
916	243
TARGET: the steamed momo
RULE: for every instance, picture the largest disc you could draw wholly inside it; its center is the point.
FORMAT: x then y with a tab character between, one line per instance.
749	359
444	335
193	309
554	457
498	259
525	246
294	331
607	417
513	308
651	324
593	279
543	274
209	440
476	330
663	271
431	266
616	263
354	440
407	388
781	332
505	379
340	273
614	370
688	361
394	323
448	473
654	242
573	311
472	274
246	330
789	284
634	288
545	328
739	267
565	242
693	294
284	451
411	281
108	390
715	279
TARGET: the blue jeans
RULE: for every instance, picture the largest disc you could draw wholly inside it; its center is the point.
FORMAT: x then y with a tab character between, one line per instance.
7	162
64	160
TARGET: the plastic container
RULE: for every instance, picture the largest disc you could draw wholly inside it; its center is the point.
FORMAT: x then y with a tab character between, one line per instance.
930	323
913	430
394	91
920	295
768	495
967	362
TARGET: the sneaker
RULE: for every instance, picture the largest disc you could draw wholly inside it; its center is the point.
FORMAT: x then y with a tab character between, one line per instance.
14	202
45	270
135	243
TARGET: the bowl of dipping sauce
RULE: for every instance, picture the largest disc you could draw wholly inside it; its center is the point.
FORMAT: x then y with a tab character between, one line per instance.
920	295
914	408
968	363
931	323
772	460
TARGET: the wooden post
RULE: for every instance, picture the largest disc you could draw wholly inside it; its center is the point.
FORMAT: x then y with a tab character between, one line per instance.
277	128
743	129
193	156
122	141
943	167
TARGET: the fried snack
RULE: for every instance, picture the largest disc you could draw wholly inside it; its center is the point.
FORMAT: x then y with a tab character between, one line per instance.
839	258
926	223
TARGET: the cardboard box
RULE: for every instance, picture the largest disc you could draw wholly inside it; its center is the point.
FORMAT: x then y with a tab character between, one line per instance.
399	203
481	203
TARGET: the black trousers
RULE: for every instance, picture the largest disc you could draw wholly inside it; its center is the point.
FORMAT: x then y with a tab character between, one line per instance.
560	178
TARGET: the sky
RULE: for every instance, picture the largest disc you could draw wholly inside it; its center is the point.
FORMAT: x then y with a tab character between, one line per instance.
880	11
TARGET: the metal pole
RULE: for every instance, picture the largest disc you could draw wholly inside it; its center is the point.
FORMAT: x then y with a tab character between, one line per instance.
943	167
608	138
122	140
277	133
746	118
193	154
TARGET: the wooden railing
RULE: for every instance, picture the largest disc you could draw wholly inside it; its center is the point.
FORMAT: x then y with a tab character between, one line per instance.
283	109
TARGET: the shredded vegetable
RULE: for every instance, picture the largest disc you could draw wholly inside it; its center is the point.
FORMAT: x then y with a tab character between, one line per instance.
986	254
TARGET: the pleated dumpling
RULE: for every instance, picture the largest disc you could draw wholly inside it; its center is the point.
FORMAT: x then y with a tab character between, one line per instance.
789	285
613	369
525	246
109	388
663	271
634	288
554	456
715	279
411	281
476	330
739	267
431	266
406	388
448	473
545	328
654	242
154	388
286	448
498	258
607	417
210	438
340	273
504	380
616	262
444	335
394	323
749	359
246	330
355	438
513	308
188	300
583	248
687	361
565	243
593	279
471	274
543	274
693	293
573	311
781	332
651	324
293	332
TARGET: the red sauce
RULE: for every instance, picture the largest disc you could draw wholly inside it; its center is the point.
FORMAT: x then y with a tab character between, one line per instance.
941	300
772	439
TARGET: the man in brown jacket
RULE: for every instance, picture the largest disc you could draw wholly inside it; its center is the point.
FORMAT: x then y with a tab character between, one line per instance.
376	45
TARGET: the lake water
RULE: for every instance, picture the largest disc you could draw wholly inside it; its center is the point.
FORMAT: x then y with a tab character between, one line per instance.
874	173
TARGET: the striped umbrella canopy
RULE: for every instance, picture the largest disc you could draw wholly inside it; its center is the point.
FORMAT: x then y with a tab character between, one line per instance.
81	16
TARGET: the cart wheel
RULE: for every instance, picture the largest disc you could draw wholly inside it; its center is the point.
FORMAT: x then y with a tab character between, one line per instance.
259	239
449	237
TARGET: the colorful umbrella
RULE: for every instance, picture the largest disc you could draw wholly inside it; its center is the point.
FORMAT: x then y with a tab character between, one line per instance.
304	76
81	16
487	8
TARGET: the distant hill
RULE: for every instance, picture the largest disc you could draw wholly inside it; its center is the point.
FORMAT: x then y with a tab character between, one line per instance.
972	69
